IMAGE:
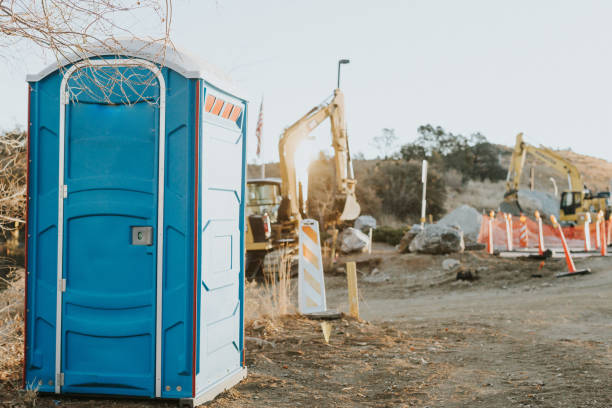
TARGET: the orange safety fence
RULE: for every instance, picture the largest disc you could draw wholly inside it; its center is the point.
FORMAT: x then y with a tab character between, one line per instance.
573	235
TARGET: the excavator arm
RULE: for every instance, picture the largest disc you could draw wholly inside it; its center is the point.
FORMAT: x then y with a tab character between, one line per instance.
517	162
292	207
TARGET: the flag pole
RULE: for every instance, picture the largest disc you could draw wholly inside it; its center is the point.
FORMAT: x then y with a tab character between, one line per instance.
259	135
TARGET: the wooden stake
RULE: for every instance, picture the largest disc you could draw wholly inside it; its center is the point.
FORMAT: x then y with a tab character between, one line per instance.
351	277
326	328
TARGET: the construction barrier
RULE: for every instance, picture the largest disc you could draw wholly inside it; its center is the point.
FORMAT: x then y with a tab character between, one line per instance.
523	235
311	286
494	233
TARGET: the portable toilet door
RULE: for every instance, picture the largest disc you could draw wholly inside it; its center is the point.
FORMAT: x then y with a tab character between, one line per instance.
134	267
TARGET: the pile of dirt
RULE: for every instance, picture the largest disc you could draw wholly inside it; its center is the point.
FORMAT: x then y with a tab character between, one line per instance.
467	218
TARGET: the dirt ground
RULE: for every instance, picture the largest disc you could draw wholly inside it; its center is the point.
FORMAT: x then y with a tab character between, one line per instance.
515	337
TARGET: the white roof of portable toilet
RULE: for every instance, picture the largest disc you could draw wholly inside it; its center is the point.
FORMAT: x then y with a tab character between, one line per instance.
168	56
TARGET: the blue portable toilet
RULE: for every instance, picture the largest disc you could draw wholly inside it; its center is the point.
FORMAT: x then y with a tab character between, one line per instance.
135	270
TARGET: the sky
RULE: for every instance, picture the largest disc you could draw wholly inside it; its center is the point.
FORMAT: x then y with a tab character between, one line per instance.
496	67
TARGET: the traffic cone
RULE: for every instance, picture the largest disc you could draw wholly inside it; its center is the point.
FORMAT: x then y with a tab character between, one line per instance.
523	233
540	234
490	249
568	256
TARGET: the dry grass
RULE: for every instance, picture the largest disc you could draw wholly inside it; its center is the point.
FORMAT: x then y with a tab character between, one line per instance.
272	298
11	340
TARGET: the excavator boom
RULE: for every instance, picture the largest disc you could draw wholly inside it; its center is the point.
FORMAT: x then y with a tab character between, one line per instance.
292	205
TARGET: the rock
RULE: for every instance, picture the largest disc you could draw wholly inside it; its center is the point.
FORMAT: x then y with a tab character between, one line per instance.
545	203
376	277
438	239
467	275
450	264
404	245
365	223
353	240
467	218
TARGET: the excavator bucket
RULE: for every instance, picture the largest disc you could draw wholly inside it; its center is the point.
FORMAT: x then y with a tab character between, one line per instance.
351	208
511	207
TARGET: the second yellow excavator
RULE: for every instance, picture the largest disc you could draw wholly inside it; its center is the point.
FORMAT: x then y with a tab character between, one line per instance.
575	202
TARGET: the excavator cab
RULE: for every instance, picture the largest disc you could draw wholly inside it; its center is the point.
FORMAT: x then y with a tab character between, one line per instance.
570	202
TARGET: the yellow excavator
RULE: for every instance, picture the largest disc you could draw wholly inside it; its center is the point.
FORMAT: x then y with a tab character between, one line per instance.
275	207
575	202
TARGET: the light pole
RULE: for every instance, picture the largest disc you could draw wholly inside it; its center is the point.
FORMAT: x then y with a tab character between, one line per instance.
340	62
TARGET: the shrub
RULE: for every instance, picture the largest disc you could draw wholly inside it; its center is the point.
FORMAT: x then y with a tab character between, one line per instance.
389	235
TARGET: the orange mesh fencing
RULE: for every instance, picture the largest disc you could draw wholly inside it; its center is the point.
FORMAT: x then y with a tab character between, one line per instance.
573	235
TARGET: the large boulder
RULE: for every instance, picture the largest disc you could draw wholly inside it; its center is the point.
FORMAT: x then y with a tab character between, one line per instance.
545	203
438	239
467	218
353	240
404	245
365	223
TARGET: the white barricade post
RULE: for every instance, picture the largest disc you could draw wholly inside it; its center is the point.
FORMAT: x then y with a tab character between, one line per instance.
603	244
490	249
508	218
540	234
587	232
598	230
311	286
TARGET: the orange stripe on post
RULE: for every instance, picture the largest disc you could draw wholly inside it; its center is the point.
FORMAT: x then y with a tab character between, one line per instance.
227	110
210	100
310	232
235	113
217	108
310	257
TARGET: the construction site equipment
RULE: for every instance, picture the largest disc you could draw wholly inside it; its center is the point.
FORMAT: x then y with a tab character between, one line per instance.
283	200
575	202
568	256
135	283
311	284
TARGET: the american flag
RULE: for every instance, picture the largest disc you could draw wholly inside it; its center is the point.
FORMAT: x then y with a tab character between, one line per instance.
258	131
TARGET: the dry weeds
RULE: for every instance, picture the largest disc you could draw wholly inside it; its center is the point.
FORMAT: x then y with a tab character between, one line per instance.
11	338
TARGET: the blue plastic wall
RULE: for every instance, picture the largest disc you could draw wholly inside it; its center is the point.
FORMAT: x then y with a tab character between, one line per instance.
222	262
109	307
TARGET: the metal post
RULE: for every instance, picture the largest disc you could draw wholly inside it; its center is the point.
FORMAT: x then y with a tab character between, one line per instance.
423	202
340	62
